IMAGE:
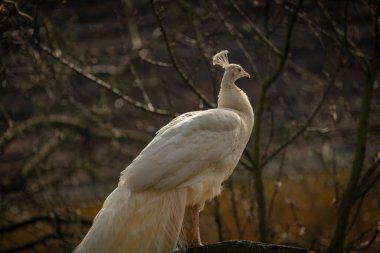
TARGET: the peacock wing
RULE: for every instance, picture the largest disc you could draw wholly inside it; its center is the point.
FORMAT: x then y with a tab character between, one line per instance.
185	147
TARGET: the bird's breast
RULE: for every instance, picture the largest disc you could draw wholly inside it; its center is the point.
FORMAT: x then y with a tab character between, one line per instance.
209	183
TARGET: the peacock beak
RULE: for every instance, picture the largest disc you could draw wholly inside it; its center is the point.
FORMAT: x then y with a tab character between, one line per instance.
246	74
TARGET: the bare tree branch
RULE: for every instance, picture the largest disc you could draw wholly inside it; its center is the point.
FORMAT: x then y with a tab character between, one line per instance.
170	48
355	50
256	29
75	122
257	163
43	152
57	54
309	120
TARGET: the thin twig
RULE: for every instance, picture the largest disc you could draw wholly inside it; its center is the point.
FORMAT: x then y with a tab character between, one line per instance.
75	122
32	221
21	13
237	37
256	29
235	213
355	50
218	219
355	215
177	66
206	58
271	133
277	187
145	58
43	152
141	87
309	120
366	244
57	55
368	180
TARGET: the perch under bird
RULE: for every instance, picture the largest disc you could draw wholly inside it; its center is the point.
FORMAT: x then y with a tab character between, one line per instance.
174	175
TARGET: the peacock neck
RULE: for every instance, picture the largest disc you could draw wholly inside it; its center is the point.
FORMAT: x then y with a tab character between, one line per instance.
232	97
227	80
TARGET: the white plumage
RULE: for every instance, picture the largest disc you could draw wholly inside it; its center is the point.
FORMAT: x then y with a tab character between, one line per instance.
175	174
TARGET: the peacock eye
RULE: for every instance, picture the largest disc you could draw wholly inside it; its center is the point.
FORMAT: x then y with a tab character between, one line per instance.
239	70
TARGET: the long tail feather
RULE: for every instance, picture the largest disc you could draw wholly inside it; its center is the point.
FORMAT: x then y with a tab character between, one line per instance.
149	221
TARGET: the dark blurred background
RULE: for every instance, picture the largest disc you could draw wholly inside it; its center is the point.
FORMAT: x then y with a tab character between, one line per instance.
84	86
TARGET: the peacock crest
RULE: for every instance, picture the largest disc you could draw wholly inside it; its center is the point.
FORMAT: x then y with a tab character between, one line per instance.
221	59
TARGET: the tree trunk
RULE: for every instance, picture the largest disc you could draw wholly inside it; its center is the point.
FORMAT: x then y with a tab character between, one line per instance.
349	197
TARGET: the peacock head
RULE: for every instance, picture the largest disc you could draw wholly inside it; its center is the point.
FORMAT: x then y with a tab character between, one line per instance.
232	71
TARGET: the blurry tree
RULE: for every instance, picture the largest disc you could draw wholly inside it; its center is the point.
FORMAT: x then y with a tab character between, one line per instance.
85	85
